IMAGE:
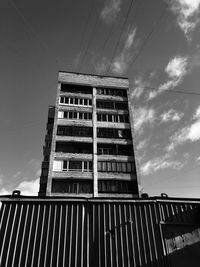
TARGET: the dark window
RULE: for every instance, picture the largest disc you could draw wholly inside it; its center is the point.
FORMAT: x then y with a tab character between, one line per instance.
109	117
76	101
80	116
65	115
114	92
126	118
121	118
73	88
65	165
98	117
74	131
75	165
108	166
124	187
74	147
71	186
113	133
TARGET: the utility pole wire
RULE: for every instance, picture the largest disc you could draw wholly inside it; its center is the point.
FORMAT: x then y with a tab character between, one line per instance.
171	91
90	41
122	30
147	38
85	29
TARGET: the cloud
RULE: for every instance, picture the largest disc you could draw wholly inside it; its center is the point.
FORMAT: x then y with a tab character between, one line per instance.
190	133
198	160
176	70
29	188
102	66
171	115
139	86
160	163
4	191
122	60
197	113
142	144
187	12
110	11
143	116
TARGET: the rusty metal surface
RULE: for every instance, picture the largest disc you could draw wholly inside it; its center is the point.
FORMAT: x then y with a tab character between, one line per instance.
53	232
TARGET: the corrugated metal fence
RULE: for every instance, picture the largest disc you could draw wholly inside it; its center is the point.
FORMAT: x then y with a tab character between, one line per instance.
91	233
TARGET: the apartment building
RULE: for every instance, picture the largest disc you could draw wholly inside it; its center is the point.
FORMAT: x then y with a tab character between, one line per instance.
89	148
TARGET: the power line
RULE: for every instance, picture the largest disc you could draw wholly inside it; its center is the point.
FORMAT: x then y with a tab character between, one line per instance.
86	26
119	39
155	27
171	91
89	42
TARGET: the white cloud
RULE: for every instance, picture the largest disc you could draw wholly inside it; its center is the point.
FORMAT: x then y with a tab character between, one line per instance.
143	116
142	144
176	67
102	66
139	86
187	12
4	191
171	115
194	131
29	188
122	60
176	70
160	163
198	160
197	113
110	10
190	133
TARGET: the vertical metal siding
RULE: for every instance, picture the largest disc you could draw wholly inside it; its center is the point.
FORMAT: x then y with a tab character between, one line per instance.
87	233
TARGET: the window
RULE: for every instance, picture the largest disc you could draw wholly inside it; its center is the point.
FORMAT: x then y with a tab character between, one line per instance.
124	187
108	166
113	133
75	101
75	165
83	166
74	147
74	131
80	115
75	88
77	115
112	91
109	117
71	186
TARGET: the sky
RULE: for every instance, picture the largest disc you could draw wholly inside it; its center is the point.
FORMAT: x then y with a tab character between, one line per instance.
156	44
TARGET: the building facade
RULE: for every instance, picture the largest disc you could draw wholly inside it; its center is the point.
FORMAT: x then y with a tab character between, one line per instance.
89	148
